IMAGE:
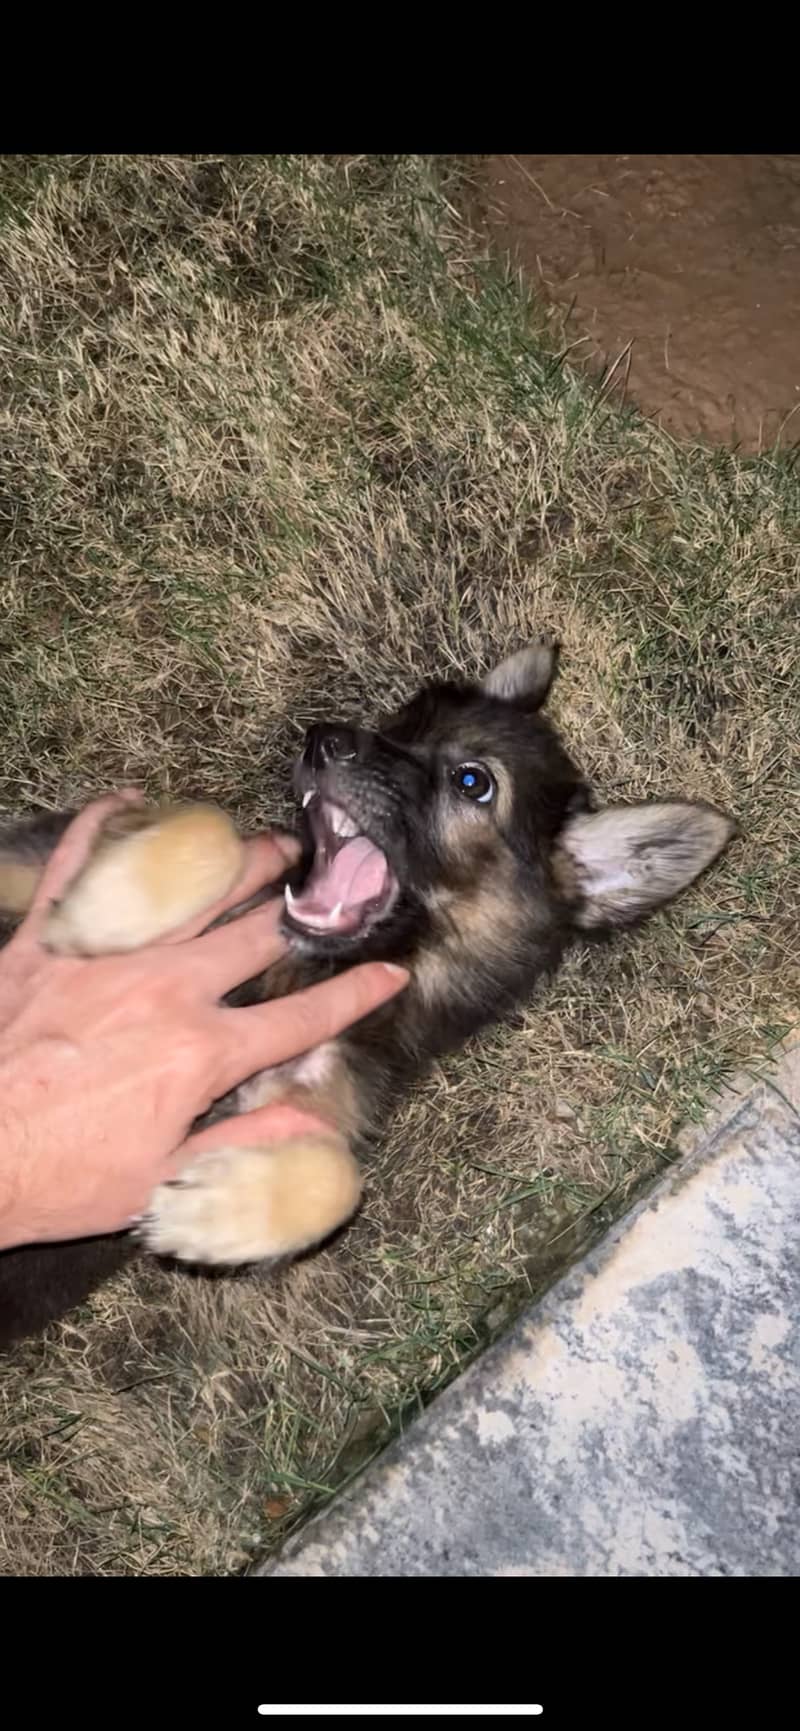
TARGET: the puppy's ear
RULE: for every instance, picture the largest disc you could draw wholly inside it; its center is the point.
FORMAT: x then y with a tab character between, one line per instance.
525	678
621	863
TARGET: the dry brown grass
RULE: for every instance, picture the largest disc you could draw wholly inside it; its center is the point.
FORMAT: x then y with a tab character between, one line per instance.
274	440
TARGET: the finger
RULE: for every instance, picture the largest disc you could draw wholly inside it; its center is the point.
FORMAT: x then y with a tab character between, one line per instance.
72	853
271	1033
267	857
267	1124
225	958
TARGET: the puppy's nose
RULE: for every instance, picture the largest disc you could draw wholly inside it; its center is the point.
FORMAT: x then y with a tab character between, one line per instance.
328	745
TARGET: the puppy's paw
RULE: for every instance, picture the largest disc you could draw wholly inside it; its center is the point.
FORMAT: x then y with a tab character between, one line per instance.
150	871
240	1205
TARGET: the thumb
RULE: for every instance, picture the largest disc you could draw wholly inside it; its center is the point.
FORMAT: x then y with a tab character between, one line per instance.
275	1122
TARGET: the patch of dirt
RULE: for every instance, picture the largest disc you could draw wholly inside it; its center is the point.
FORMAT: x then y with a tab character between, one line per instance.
695	260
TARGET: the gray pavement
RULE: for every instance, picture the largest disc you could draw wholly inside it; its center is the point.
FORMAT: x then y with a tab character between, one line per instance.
642	1419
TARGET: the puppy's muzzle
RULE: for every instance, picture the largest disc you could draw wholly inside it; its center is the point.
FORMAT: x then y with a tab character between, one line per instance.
330	744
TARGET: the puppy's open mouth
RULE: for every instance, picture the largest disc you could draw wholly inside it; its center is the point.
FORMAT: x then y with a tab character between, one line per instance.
351	883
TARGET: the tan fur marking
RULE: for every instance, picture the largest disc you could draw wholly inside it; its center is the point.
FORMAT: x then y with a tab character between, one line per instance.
504	804
241	1205
17	886
149	873
433	976
565	874
466	925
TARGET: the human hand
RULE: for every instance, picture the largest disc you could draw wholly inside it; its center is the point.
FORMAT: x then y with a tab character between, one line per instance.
106	1063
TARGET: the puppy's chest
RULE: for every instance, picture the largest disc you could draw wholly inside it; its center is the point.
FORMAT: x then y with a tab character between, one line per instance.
313	1072
346	1081
320	1082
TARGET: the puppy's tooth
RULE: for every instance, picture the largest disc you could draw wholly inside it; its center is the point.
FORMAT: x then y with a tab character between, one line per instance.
307	798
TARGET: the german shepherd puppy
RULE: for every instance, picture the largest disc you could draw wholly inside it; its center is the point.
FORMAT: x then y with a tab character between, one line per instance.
459	839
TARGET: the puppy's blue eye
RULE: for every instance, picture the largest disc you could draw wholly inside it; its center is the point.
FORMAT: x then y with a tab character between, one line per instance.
474	782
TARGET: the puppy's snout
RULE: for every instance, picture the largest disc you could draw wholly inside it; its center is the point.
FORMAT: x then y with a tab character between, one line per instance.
329	745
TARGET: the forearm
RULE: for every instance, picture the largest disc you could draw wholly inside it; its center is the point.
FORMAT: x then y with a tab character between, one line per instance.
16	1225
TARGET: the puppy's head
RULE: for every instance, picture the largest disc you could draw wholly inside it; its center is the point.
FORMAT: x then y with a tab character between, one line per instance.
461	826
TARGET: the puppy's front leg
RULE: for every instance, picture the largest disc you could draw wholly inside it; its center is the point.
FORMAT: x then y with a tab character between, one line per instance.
257	1204
247	1205
151	869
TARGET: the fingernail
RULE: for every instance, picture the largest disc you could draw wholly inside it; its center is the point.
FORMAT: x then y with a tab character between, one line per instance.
399	973
289	846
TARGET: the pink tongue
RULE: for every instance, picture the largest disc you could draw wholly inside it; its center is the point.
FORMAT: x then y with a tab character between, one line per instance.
356	874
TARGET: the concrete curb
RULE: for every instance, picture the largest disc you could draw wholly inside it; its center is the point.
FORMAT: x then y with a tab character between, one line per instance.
640	1419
